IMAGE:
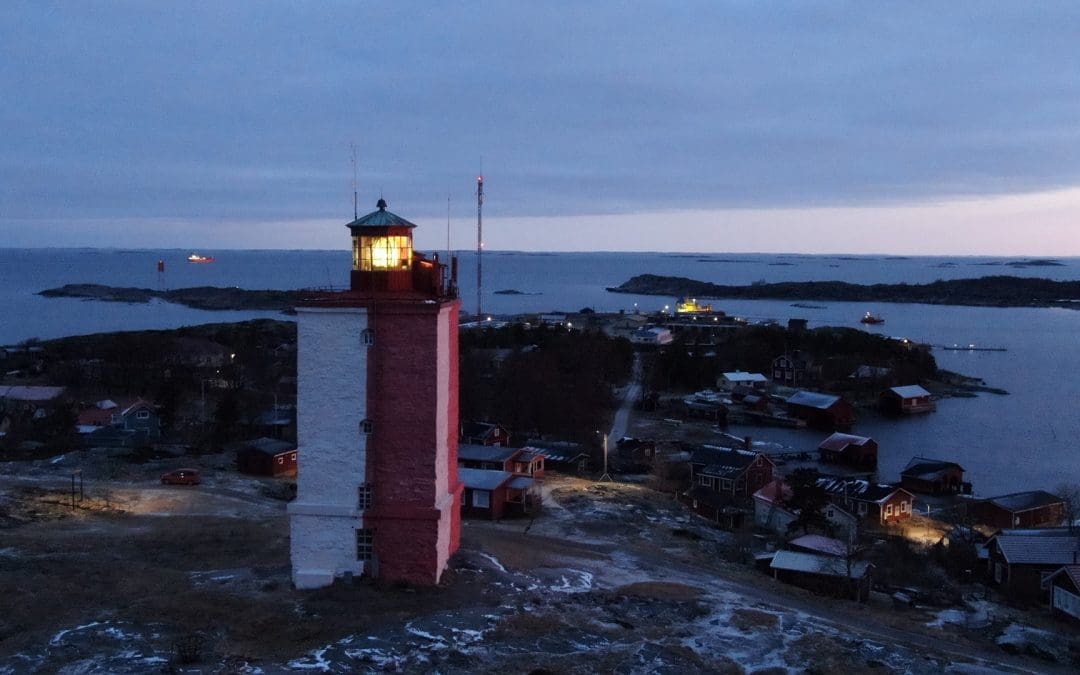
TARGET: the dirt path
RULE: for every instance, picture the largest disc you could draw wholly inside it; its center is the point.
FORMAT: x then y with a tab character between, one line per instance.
621	421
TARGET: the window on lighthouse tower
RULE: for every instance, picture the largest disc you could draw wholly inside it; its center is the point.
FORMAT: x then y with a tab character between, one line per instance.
382	253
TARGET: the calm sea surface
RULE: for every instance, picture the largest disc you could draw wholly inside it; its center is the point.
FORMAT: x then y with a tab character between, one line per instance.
1027	440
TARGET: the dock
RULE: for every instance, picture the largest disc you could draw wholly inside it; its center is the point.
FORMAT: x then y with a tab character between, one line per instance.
970	348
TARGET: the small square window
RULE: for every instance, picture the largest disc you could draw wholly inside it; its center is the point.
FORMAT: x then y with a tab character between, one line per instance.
143	414
481	499
293	457
367	337
280	460
366	427
888	509
365	545
366	496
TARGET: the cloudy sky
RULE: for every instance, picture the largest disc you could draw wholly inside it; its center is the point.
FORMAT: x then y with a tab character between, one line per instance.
935	127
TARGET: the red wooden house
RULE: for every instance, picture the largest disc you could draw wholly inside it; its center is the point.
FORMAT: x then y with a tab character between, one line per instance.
484	433
908	400
822	411
722	481
873	502
858	451
1020	509
266	457
1064	587
933	477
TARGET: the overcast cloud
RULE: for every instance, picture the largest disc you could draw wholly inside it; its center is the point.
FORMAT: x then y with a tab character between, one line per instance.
194	121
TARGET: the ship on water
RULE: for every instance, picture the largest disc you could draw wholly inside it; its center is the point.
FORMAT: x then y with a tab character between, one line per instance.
196	258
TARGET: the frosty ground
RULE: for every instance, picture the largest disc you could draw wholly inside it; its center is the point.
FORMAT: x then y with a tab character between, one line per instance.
610	578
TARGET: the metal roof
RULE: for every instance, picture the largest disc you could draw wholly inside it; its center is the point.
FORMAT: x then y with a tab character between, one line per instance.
813	399
1024	501
485	453
482	479
812	563
858	489
380	218
30	393
910	391
839	441
740	376
820	544
521	483
924	467
1039	550
1071	571
722	462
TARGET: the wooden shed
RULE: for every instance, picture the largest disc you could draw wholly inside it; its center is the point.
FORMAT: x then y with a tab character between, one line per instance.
266	457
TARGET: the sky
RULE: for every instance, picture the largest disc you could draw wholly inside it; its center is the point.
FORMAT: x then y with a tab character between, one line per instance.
845	127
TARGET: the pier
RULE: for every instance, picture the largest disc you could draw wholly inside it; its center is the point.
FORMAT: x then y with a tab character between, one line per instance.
970	348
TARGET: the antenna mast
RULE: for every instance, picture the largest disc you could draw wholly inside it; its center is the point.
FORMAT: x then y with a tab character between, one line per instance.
479	247
355	212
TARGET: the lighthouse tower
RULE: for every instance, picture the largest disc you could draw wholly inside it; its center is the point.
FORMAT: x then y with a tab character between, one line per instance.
377	416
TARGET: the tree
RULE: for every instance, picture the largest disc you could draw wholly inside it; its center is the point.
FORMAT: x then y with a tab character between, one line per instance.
1069	492
809	500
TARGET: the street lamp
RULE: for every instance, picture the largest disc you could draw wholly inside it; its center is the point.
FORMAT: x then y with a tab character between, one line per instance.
605	475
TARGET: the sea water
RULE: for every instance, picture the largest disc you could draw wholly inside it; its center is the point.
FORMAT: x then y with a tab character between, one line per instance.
1026	440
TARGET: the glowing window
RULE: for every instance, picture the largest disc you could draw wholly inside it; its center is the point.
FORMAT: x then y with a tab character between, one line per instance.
382	253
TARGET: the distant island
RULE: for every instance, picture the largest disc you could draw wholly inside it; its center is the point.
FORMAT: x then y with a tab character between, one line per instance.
993	291
512	291
202	297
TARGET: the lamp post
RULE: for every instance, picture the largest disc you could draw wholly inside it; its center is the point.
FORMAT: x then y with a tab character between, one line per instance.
606	476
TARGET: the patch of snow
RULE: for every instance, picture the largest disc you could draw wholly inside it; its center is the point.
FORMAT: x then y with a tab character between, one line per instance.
583	583
56	639
57	459
412	630
314	661
494	561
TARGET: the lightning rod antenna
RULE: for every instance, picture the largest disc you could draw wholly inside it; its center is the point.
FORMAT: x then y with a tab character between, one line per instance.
479	247
355	212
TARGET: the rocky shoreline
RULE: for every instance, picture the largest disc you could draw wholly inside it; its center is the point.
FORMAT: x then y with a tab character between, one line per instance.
202	297
992	291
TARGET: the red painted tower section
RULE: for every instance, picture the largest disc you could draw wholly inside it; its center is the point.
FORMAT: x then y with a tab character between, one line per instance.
412	398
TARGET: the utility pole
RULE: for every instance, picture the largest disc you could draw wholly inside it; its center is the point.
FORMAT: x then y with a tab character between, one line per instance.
606	476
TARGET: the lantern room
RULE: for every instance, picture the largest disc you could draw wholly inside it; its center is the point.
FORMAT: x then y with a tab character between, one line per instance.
383	258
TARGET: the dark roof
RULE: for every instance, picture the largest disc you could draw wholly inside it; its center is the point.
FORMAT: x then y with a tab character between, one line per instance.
380	218
857	488
485	453
837	442
1070	571
922	467
521	483
1039	550
722	462
1024	501
267	446
477	429
812	399
483	479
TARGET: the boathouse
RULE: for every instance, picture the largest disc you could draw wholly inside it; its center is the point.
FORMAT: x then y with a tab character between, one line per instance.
1020	509
857	451
934	477
909	400
823	411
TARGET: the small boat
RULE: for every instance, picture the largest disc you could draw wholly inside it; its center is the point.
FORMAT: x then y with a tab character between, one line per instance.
196	258
871	318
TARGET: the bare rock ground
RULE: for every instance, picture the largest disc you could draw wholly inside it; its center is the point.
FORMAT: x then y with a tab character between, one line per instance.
610	578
